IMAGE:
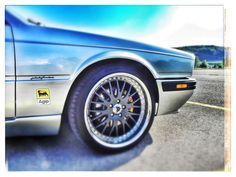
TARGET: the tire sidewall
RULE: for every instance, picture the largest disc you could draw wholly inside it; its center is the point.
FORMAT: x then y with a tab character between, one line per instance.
79	96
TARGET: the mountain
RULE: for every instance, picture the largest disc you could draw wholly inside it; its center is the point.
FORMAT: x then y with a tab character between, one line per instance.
210	53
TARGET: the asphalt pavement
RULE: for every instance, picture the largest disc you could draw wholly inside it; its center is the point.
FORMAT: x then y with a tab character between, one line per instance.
191	140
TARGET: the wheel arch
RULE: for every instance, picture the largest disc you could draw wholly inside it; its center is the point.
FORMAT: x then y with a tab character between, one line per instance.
111	56
115	57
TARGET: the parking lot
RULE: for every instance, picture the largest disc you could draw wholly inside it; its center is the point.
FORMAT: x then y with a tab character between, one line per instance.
192	139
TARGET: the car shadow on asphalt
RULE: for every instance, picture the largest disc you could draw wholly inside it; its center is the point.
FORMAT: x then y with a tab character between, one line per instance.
64	153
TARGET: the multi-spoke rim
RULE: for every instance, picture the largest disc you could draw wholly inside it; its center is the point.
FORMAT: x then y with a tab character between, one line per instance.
117	110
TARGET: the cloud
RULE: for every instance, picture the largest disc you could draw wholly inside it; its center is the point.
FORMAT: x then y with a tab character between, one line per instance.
190	25
188	34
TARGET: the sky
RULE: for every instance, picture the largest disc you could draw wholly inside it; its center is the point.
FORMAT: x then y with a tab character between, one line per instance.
169	26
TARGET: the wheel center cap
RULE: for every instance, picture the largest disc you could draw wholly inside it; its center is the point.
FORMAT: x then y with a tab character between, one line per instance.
117	109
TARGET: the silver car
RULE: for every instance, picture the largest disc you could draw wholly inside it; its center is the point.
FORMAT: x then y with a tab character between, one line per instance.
109	89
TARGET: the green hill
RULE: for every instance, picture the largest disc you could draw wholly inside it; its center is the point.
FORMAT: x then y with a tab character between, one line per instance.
207	56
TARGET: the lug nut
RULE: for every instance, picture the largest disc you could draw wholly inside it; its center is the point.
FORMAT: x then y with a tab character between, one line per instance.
123	107
112	114
118	101
120	115
110	105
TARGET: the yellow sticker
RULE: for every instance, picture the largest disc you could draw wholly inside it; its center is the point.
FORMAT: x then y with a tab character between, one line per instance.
43	93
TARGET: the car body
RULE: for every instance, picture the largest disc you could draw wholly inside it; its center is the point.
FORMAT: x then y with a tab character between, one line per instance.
46	62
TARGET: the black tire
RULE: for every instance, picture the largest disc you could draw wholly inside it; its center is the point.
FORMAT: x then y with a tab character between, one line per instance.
82	125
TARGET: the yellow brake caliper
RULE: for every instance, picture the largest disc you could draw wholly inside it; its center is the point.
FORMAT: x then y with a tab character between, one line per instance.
131	109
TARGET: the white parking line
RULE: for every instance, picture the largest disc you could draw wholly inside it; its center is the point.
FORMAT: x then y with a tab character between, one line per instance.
209	106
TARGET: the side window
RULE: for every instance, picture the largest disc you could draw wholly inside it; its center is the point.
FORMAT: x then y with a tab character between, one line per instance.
9	51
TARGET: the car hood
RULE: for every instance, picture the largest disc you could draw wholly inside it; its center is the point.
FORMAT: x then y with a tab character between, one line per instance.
23	32
39	34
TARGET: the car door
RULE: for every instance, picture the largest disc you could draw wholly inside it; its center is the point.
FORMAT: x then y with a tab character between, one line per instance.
9	73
